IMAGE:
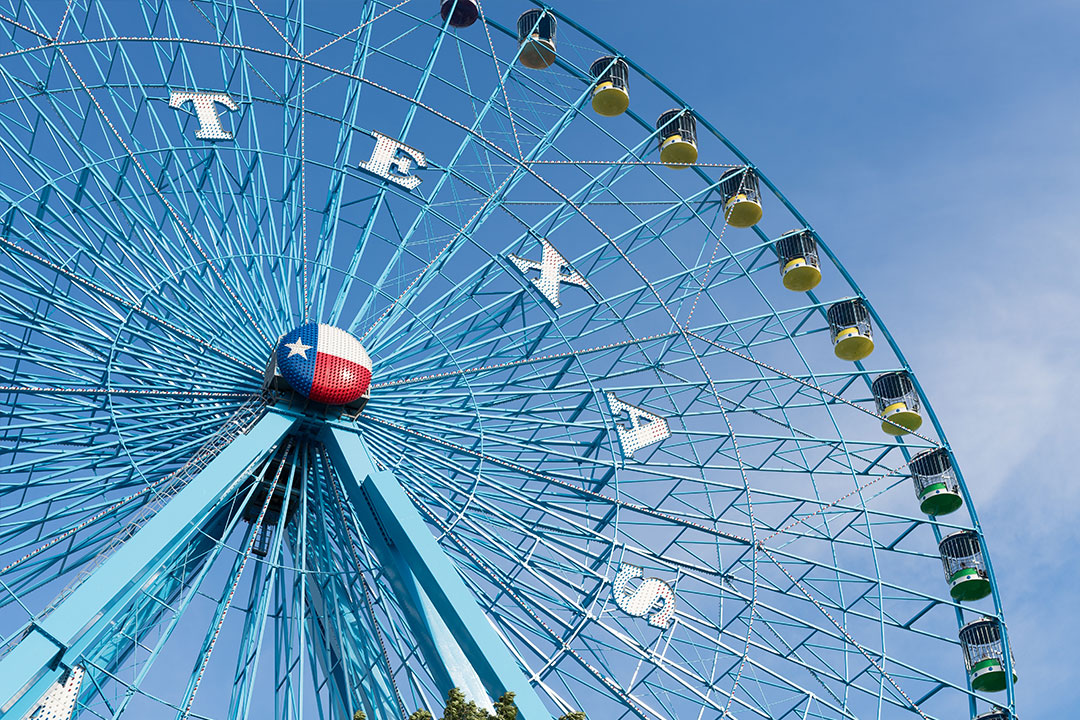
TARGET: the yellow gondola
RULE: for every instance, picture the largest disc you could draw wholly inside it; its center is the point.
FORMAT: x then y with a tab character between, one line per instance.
742	197
611	96
897	403
850	329
800	269
678	139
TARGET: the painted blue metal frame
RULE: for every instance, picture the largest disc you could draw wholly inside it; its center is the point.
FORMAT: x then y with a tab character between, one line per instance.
57	642
431	574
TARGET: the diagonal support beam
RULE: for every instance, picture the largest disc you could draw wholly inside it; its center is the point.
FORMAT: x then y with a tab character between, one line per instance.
383	507
75	627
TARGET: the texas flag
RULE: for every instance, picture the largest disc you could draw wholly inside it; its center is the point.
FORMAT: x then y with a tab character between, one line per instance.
324	363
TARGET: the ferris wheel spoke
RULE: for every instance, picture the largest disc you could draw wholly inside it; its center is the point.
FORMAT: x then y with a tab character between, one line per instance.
117	513
556	541
329	229
544	418
52	574
571	522
516	345
535	336
542	628
83	519
810	384
846	608
13	23
150	451
579	490
778	620
785	654
529	360
675	672
380	201
47	573
441	305
449	171
347	527
163	608
220	204
80	269
108	221
504	187
868	655
103	297
444	304
171	209
42	504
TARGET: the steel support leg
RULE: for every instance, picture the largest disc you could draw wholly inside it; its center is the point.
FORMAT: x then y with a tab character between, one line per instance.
450	600
76	625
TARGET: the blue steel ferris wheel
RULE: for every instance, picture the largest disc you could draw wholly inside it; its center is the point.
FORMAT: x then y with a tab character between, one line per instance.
353	353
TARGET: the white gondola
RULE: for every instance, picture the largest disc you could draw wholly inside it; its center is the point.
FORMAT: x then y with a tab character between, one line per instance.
536	39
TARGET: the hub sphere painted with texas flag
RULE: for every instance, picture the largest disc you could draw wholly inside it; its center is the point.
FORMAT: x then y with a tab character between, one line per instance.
324	363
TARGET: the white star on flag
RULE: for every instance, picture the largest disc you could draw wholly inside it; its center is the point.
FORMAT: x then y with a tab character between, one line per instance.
298	348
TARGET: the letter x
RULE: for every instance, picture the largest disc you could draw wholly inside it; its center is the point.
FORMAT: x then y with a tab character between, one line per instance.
554	270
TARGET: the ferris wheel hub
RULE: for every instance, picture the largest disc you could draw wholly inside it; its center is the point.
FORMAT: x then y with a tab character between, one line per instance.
324	363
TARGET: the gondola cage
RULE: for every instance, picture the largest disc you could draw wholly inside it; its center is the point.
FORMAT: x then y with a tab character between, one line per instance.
897	403
536	39
678	139
983	655
460	13
965	570
995	714
611	95
800	269
850	329
935	482
742	197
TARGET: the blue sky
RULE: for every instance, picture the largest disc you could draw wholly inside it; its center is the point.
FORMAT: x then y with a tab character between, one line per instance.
935	147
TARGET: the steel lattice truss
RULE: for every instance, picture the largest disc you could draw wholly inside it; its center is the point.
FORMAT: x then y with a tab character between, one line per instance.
146	272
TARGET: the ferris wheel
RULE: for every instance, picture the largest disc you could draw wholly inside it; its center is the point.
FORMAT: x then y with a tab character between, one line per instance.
354	353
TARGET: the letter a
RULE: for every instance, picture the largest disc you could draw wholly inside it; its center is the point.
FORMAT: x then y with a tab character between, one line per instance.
645	428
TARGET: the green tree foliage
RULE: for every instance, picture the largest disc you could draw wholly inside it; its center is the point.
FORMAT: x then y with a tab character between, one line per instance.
458	709
505	709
